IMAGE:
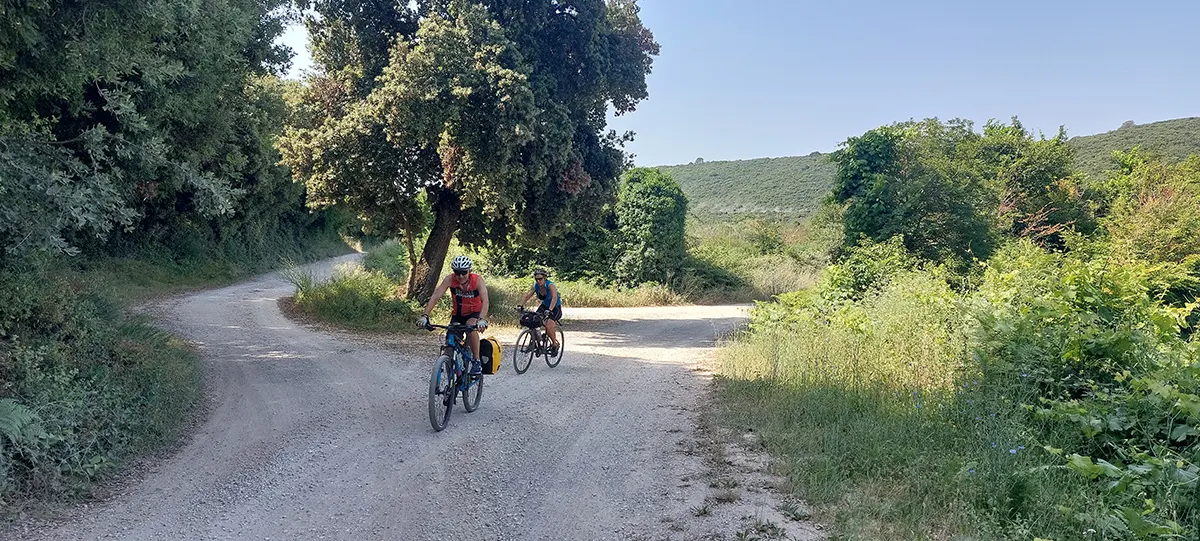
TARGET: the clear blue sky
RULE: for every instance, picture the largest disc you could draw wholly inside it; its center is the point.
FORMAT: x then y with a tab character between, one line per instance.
741	79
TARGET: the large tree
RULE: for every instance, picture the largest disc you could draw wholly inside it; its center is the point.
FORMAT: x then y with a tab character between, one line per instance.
951	192
485	120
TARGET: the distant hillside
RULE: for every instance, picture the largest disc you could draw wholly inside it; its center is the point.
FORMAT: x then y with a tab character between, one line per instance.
796	185
1175	139
793	185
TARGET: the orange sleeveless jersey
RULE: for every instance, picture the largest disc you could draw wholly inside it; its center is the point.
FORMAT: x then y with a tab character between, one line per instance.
466	299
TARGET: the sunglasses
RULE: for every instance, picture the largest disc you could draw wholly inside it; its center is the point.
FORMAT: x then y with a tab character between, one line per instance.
539	277
461	272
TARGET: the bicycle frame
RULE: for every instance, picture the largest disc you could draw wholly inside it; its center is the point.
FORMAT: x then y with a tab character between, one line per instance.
540	341
457	349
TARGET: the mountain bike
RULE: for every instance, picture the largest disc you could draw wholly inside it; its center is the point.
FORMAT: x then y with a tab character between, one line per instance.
534	341
450	376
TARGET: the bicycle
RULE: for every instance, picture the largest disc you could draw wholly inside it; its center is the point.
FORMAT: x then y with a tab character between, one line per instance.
534	341
450	376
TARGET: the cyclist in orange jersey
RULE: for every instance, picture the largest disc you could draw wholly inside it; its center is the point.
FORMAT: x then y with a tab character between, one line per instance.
470	303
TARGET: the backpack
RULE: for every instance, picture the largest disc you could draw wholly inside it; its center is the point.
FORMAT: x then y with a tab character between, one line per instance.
489	354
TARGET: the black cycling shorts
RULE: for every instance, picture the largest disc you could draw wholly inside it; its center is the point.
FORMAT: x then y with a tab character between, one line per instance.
462	320
555	314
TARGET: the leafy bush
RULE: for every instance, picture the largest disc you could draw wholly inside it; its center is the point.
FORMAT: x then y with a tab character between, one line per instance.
1059	398
867	267
651	212
1073	327
922	181
1155	214
82	386
1108	378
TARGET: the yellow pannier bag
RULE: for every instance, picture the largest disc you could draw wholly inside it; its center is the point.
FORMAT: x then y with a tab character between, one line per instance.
489	354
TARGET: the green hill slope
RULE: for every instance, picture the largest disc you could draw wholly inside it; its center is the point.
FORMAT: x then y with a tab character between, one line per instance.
796	185
1175	139
793	185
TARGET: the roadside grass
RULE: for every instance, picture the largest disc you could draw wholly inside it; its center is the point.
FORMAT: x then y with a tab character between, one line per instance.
916	412
855	411
354	298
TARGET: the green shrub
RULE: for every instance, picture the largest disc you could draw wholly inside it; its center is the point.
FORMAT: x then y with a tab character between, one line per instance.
865	267
390	259
1108	380
1059	398
1073	327
83	386
355	298
651	212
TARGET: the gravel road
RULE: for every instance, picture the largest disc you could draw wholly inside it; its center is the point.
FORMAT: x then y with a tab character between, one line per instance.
313	434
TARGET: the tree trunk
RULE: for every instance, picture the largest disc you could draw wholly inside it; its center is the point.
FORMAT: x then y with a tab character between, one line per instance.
447	208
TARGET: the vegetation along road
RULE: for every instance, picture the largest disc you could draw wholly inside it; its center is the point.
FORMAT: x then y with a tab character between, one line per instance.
313	436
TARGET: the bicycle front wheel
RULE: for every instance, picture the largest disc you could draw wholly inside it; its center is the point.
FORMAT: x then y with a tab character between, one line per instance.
473	392
552	361
523	351
441	392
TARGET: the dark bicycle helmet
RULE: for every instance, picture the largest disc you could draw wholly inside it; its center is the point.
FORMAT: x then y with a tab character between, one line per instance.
540	271
461	262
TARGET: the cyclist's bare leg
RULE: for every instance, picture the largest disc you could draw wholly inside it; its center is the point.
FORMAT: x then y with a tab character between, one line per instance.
473	339
550	326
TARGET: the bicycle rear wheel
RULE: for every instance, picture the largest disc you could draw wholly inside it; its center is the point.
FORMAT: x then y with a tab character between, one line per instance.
473	392
523	351
552	361
441	392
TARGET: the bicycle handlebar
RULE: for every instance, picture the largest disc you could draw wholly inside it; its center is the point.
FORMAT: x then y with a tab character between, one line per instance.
453	327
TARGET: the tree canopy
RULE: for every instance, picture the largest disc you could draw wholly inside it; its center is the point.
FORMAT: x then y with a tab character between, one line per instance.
951	192
485	120
149	116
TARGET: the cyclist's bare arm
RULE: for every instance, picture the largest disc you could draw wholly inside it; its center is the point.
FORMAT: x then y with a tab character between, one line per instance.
437	295
553	296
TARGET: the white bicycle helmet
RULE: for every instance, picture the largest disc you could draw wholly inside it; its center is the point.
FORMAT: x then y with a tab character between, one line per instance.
461	262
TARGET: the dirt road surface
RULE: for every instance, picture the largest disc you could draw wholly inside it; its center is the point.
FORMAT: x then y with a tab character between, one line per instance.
313	434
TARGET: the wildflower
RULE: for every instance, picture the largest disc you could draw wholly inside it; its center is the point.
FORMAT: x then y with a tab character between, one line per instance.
1021	447
972	470
993	445
1012	451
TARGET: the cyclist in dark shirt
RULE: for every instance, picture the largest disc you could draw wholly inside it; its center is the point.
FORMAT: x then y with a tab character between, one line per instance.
551	306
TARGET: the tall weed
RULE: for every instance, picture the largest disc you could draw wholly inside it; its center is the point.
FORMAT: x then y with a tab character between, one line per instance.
356	298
